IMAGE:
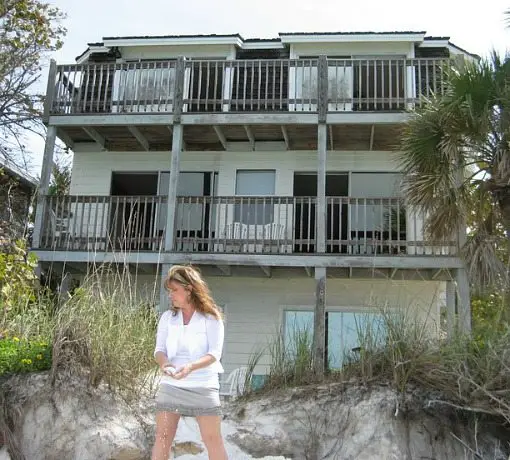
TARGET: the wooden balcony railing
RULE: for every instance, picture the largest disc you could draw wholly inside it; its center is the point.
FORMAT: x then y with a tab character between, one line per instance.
233	224
280	85
104	223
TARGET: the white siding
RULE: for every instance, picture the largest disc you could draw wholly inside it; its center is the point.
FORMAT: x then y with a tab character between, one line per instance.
92	170
173	52
352	49
254	306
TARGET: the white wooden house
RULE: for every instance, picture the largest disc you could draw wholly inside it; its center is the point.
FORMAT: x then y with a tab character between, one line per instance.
267	163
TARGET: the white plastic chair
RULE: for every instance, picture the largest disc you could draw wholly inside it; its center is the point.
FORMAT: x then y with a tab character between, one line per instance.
235	382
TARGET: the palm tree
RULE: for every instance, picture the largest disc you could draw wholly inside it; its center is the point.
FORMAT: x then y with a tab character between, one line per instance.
455	156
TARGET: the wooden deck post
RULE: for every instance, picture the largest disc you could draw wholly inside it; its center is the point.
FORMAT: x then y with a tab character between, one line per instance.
322	146
319	327
177	142
163	295
463	301
42	191
451	317
172	186
50	91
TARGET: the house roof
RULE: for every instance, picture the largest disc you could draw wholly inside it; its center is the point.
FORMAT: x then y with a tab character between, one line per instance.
446	42
282	39
9	168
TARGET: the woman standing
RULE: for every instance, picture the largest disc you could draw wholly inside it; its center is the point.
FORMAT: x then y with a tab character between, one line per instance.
189	344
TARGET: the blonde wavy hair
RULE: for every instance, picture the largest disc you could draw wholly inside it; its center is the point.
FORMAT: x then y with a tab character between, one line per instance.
200	295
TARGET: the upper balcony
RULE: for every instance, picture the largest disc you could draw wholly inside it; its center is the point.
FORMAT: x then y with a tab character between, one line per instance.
258	93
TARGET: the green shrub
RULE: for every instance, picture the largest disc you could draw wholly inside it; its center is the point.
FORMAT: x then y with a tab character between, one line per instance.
18	283
21	355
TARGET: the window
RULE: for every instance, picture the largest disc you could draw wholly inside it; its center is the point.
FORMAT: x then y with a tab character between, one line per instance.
345	332
144	86
298	330
257	210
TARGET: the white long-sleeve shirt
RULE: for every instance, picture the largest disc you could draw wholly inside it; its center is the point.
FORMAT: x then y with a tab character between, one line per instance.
203	335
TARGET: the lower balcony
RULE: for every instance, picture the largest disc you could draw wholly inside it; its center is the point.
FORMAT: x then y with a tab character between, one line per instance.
279	225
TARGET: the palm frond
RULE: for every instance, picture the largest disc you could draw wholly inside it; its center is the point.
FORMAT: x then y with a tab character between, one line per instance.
485	267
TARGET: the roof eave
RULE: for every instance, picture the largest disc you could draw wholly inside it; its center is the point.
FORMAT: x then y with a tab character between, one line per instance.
349	38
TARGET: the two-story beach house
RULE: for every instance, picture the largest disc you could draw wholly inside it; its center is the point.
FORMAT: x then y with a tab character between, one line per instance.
266	162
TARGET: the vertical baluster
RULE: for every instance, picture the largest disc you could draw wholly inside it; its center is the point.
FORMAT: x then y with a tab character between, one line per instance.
281	84
384	95
245	63
145	78
156	86
297	91
375	85
62	94
108	85
252	83
382	222
199	93
434	71
125	83
427	77
310	228
273	86
145	238
237	66
101	233
360	80
390	83
340	217
267	83
82	217
99	88
259	84
399	70
217	96
227	90
207	85
86	75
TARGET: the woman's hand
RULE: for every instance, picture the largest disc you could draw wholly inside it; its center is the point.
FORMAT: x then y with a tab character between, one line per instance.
183	371
167	369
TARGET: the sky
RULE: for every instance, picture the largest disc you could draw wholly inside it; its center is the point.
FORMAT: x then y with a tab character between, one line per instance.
477	28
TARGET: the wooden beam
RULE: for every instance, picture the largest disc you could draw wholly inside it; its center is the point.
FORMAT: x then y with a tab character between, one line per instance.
164	301
64	137
393	273
437	273
331	141
93	134
142	140
320	212
171	129
225	269
249	133
463	301
451	322
44	184
50	91
285	137
308	271
221	136
350	272
266	270
175	162
319	323
218	118
273	260
372	132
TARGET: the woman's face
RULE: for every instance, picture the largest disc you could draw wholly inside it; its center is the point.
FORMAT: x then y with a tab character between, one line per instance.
178	294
